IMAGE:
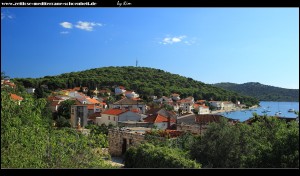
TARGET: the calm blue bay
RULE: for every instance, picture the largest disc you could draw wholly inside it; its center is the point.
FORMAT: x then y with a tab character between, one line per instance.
270	106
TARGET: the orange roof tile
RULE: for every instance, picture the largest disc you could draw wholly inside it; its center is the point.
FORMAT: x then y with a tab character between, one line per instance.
113	111
203	106
158	119
94	101
15	97
90	106
135	110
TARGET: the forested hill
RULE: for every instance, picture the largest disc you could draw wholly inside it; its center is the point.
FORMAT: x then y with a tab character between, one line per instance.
143	80
261	91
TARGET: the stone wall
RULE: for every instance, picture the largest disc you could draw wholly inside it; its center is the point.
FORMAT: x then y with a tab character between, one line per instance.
119	141
191	128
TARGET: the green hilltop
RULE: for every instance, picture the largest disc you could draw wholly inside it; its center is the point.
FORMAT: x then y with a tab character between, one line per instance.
143	80
261	91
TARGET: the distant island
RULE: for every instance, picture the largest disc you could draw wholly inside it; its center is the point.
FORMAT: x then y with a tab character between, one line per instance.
261	91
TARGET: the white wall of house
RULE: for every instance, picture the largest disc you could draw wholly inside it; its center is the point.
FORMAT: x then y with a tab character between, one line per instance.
107	119
118	90
162	125
176	107
132	95
188	107
30	90
142	107
203	110
228	106
129	116
217	104
175	97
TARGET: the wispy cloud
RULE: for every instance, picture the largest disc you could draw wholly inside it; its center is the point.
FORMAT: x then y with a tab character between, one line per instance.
6	15
177	39
88	26
171	40
64	32
66	25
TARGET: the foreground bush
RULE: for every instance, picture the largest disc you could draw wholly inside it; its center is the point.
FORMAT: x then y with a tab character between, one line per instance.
150	156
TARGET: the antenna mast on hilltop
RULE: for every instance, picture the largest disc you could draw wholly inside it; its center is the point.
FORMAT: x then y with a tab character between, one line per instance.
136	63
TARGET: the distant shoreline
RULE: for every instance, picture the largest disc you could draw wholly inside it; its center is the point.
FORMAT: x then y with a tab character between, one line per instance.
234	109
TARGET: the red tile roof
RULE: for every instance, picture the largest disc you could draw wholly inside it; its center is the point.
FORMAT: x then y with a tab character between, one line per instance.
136	110
200	102
94	101
90	106
203	106
113	111
15	97
55	103
158	119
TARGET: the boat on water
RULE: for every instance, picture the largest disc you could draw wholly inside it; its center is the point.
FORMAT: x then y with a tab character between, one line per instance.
291	110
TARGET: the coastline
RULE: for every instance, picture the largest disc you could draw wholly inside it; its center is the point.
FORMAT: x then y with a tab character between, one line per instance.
234	110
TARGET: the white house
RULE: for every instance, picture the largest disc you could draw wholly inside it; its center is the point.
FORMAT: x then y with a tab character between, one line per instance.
119	90
187	104
110	116
160	121
228	105
130	104
175	97
217	104
129	116
30	90
203	109
131	94
114	116
164	99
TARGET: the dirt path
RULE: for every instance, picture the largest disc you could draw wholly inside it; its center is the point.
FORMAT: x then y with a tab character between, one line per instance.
117	161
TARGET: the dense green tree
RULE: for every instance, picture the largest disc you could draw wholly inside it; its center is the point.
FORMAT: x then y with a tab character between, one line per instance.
29	141
217	147
150	156
64	110
267	143
41	92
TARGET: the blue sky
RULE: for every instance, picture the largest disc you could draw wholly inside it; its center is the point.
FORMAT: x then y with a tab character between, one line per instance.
211	45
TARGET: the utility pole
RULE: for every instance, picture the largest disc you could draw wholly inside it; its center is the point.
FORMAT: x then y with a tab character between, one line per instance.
136	63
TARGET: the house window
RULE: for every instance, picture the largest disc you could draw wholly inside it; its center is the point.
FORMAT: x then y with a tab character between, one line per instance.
108	117
114	118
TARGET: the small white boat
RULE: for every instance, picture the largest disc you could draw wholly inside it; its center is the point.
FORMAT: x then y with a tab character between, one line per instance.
291	110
